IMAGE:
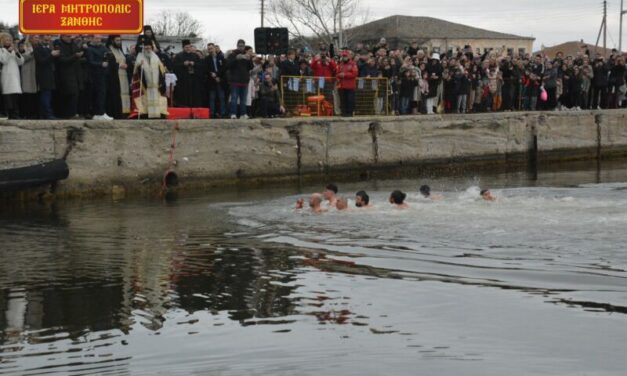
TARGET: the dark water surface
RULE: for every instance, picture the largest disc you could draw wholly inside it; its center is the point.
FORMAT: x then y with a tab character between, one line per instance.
238	283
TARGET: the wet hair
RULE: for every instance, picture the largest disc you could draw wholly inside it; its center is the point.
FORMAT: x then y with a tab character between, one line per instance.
343	201
332	187
364	197
398	197
425	190
484	191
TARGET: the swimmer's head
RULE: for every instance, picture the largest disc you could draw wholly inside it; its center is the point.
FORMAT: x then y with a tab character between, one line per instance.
315	200
361	199
425	190
330	191
341	204
487	195
397	197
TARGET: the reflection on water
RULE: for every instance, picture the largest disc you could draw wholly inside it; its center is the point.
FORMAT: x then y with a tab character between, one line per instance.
240	283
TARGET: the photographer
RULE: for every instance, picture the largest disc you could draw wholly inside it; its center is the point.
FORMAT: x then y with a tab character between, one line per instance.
269	99
238	66
11	60
323	66
97	60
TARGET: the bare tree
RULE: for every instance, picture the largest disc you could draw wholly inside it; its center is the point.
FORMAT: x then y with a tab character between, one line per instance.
316	19
11	29
178	24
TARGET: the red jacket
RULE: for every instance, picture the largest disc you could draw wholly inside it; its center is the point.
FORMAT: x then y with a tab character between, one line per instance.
323	70
350	72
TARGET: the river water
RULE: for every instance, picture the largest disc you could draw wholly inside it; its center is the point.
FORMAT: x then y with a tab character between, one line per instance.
238	282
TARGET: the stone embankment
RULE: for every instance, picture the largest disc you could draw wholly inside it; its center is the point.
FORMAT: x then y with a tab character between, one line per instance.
133	156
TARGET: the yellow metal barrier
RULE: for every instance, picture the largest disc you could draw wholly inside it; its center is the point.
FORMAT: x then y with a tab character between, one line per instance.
318	96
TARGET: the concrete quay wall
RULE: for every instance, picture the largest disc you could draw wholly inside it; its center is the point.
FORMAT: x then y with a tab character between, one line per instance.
126	156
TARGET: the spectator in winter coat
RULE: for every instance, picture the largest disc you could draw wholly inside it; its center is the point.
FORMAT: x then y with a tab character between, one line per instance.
617	81
600	73
462	88
346	74
270	104
239	63
435	78
323	66
215	70
408	84
550	85
97	56
45	58
289	67
11	61
69	75
28	99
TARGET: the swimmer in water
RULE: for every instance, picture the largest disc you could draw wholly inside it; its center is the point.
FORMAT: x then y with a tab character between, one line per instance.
397	198
314	203
300	203
425	190
487	195
341	204
362	200
330	194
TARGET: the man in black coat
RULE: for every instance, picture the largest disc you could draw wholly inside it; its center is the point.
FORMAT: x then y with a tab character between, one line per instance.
600	82
289	67
98	60
44	73
215	72
69	71
189	80
238	64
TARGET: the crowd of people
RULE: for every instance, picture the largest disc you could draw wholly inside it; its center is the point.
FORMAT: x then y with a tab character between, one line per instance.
91	77
329	199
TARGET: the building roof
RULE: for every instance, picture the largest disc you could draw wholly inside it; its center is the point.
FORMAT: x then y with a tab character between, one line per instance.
421	29
571	49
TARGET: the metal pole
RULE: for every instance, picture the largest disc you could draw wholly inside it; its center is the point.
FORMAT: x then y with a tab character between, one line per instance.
263	9
341	36
620	33
604	27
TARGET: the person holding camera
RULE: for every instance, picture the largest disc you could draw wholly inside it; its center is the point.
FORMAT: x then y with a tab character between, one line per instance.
97	60
269	98
323	66
11	60
238	65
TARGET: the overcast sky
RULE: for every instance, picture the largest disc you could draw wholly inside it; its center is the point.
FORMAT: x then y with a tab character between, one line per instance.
550	22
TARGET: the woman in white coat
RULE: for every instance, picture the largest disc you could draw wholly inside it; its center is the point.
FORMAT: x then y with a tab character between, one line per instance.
10	78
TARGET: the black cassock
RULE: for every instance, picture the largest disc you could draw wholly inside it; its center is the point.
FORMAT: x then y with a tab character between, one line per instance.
189	90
